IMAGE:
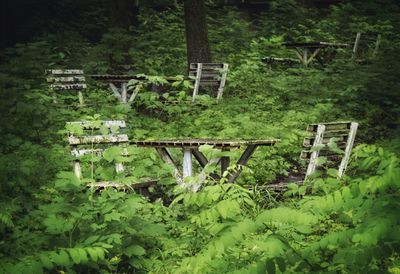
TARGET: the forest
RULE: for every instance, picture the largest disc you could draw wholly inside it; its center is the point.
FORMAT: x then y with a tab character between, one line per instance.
200	136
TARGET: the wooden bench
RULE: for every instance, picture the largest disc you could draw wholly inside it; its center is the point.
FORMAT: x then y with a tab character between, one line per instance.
96	143
316	145
67	79
208	75
366	46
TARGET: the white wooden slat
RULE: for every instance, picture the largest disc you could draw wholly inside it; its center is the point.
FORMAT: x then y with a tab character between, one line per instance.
68	86
223	81
82	152
77	169
64	71
119	167
197	82
314	155
64	79
98	139
349	147
187	163
108	124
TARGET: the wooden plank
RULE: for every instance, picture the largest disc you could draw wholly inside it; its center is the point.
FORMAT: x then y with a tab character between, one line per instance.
77	169
197	82
90	125
195	143
207	65
336	126
82	152
211	83
356	45
314	155
349	147
68	86
187	163
64	71
222	82
199	156
63	79
98	139
124	89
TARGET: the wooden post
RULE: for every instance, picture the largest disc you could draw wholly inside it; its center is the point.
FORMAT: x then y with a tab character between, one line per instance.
225	161
242	162
187	162
197	82
377	44
77	169
349	147
356	44
314	155
124	96
80	97
223	81
119	167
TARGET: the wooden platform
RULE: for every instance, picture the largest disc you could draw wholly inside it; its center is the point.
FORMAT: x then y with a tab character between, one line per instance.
123	78
194	143
316	44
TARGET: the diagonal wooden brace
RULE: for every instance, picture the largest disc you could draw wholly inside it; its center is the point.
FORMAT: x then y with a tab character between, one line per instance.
242	162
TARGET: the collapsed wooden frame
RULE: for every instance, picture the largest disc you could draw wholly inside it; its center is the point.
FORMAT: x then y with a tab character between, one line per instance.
208	75
67	79
316	145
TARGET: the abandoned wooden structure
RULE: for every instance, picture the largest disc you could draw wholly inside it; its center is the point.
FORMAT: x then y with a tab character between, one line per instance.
366	46
67	79
191	148
208	75
96	144
323	52
333	141
118	84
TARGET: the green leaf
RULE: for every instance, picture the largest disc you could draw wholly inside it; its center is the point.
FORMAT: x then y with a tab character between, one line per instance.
75	255
135	250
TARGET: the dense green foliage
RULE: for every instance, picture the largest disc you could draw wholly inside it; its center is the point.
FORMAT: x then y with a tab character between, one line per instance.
50	222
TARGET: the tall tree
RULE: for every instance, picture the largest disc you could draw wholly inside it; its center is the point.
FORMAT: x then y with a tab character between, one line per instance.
198	47
123	13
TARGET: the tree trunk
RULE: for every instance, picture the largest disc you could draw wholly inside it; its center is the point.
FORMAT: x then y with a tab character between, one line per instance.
198	48
123	13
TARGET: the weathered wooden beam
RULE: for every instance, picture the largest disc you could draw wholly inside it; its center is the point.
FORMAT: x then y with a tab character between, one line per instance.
242	162
124	95
166	157
77	169
197	81
98	139
315	53
200	157
115	90
90	125
187	163
349	147
314	155
223	81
